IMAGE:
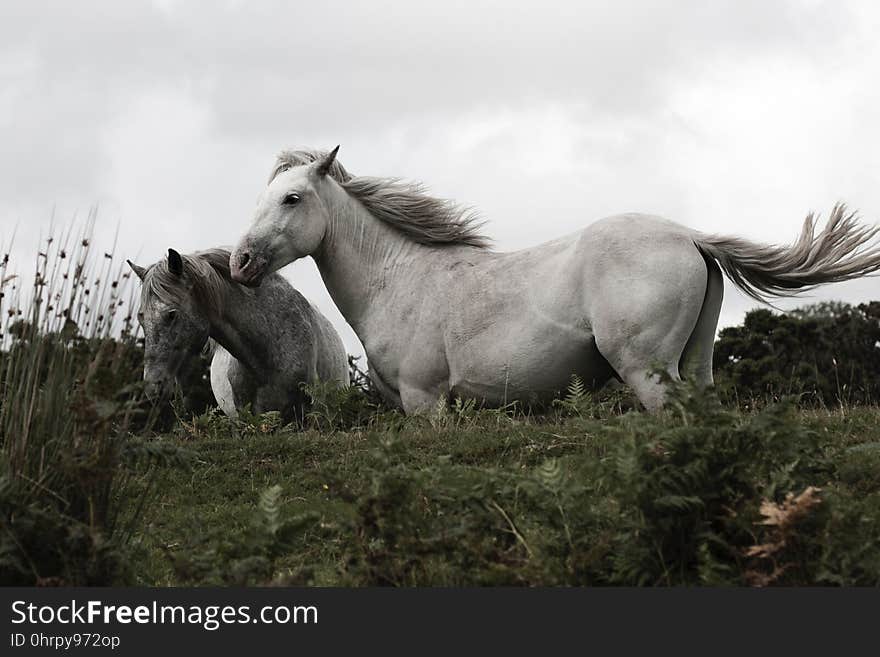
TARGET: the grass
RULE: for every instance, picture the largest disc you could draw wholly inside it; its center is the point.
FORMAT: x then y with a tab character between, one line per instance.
588	494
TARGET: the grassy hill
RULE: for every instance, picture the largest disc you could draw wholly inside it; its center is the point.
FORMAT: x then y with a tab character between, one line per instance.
587	495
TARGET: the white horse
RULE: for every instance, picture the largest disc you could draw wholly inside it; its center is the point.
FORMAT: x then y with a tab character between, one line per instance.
439	313
267	342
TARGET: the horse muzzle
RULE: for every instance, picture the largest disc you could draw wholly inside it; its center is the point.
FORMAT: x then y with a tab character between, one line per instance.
157	389
247	268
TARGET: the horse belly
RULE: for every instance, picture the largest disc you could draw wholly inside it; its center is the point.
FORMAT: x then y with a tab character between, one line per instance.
533	369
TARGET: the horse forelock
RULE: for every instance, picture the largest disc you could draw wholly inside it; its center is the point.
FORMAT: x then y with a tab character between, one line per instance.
402	204
297	158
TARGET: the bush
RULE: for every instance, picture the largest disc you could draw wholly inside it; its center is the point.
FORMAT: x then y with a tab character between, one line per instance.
671	501
828	354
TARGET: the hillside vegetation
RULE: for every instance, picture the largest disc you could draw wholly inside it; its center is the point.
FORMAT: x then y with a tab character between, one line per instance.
586	496
771	479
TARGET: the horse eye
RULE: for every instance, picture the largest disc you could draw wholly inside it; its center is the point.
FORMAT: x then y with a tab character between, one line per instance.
291	199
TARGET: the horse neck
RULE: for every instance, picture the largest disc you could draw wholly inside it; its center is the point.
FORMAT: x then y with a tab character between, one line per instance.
243	325
362	258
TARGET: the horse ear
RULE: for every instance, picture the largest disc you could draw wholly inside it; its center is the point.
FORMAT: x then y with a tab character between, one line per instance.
324	164
137	269
175	263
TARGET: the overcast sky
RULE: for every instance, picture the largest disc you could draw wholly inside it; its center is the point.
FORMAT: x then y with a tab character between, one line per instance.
735	117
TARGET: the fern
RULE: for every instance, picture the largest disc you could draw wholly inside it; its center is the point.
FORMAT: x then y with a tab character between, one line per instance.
550	474
270	508
333	408
576	398
576	390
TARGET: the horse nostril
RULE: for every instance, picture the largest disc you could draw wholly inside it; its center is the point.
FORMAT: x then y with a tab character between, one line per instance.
244	259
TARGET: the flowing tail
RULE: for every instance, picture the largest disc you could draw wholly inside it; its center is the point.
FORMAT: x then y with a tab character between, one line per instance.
843	250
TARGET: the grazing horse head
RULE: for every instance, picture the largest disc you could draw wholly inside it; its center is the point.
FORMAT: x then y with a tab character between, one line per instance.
173	316
290	220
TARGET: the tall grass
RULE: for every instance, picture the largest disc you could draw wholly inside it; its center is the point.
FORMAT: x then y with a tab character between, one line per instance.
68	357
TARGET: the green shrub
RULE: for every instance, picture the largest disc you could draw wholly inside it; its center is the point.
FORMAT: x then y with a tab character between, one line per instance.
828	354
332	408
671	501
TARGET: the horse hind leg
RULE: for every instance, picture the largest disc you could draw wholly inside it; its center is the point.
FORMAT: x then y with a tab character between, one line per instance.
643	334
696	361
648	382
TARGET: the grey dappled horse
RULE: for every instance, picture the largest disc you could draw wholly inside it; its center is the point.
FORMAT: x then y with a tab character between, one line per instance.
269	340
439	313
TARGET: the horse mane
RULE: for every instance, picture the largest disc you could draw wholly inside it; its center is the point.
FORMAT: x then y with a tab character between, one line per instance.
207	272
401	204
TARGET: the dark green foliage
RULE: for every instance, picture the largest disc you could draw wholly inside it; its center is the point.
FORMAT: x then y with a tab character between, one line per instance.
699	495
247	557
670	501
828	354
332	408
689	491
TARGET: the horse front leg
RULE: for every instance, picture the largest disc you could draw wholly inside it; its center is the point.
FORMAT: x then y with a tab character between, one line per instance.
423	376
418	400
